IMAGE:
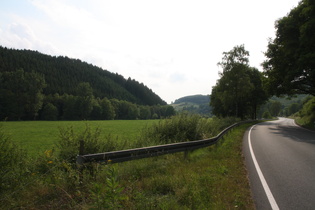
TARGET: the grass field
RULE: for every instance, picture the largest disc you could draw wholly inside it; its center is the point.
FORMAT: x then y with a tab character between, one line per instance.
210	178
37	136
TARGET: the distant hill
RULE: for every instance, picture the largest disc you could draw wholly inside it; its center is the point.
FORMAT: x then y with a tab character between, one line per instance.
63	75
198	104
196	99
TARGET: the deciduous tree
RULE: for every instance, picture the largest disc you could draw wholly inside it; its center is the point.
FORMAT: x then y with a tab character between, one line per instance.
290	64
239	90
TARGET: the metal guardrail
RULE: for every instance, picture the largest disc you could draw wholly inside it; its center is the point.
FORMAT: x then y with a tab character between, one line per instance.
138	153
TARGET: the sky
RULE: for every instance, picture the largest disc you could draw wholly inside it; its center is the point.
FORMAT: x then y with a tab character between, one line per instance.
171	46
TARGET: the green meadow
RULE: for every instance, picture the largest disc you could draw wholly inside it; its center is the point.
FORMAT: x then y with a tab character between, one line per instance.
37	136
209	178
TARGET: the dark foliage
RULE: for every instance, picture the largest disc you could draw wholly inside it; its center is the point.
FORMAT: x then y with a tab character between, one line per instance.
36	86
290	64
63	75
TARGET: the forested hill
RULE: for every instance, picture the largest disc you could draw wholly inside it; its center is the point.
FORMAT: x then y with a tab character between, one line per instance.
197	99
198	104
63	75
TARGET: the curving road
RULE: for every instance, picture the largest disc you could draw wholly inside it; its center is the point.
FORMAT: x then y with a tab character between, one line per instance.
280	159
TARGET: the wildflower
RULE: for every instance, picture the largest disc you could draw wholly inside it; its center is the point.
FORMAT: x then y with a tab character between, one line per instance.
48	153
50	162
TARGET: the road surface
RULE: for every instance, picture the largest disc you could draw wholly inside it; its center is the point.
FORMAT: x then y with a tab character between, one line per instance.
280	159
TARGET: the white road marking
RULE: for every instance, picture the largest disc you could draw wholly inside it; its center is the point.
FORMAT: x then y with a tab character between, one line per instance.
270	197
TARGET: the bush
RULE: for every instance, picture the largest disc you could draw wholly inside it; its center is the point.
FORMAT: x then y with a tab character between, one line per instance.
69	143
12	164
183	127
266	115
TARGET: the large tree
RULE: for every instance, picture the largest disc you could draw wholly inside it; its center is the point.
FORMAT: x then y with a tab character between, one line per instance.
290	64
239	91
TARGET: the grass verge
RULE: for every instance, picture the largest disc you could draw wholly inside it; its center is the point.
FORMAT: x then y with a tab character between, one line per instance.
210	178
306	116
306	123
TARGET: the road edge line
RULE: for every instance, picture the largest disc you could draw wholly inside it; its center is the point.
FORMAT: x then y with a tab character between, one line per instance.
270	197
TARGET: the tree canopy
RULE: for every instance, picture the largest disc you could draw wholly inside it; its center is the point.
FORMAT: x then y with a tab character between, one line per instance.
239	90
290	64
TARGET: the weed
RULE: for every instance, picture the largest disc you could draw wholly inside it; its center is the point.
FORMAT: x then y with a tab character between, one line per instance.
69	142
108	195
12	163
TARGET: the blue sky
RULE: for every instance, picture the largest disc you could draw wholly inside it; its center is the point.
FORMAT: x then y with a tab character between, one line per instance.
172	46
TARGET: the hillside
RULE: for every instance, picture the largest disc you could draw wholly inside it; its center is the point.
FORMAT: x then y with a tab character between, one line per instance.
196	99
283	106
63	75
198	104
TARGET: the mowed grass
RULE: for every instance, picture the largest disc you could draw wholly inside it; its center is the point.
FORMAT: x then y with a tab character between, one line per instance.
37	136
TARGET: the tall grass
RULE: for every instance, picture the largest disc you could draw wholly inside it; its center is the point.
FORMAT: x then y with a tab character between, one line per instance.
210	178
183	127
12	164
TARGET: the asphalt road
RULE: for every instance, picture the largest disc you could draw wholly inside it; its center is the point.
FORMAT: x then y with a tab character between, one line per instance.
280	159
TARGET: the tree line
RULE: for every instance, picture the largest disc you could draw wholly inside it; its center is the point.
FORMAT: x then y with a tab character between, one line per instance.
22	98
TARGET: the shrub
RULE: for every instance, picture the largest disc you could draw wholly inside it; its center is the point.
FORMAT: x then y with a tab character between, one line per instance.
12	164
266	115
68	144
183	127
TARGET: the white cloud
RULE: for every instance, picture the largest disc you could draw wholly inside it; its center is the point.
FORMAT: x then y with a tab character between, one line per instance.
172	46
63	14
21	36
